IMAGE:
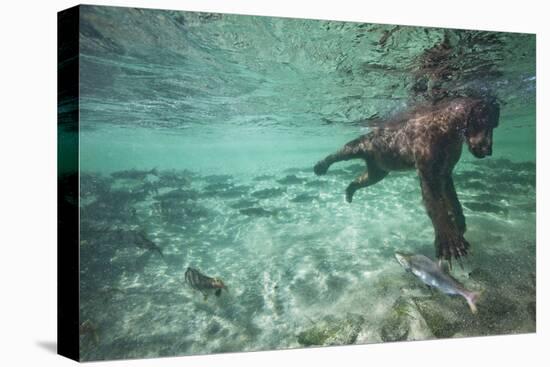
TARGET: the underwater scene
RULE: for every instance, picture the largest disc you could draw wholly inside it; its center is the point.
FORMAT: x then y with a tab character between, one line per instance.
255	183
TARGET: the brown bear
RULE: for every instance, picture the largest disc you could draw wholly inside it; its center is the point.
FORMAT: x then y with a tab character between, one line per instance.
428	139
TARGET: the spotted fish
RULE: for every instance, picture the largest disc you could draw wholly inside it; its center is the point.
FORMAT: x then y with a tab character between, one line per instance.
203	283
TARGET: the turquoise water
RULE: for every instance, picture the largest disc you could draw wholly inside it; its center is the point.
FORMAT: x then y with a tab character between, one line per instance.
201	131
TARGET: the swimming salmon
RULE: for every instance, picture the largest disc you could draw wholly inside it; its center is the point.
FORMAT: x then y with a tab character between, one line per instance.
142	241
203	283
432	275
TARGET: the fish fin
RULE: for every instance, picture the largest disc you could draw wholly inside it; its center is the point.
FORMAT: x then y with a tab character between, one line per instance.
218	292
472	298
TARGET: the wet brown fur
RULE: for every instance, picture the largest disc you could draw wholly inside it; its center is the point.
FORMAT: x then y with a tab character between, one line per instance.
428	139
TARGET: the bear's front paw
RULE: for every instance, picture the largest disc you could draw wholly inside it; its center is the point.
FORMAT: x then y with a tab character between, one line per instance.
451	245
320	168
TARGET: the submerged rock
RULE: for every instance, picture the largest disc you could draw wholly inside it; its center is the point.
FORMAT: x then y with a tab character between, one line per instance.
525	166
507	310
263	177
291	180
528	207
396	325
225	190
218	186
514	177
473	185
316	183
356	167
332	331
532	310
92	184
244	203
504	163
134	174
268	193
217	178
491	197
304	198
442	321
497	311
341	172
256	212
297	170
485	207
175	212
482	275
178	194
173	178
468	175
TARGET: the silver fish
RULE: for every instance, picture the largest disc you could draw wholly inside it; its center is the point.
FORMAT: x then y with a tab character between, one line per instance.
202	283
432	275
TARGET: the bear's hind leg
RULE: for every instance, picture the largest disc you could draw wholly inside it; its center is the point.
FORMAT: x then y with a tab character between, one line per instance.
372	176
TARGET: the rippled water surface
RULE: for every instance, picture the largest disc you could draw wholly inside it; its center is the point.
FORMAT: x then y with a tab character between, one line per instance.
198	136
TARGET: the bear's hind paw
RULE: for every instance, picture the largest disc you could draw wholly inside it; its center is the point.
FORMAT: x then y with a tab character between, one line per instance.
320	168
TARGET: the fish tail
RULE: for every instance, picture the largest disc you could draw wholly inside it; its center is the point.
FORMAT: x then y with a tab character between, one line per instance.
472	298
